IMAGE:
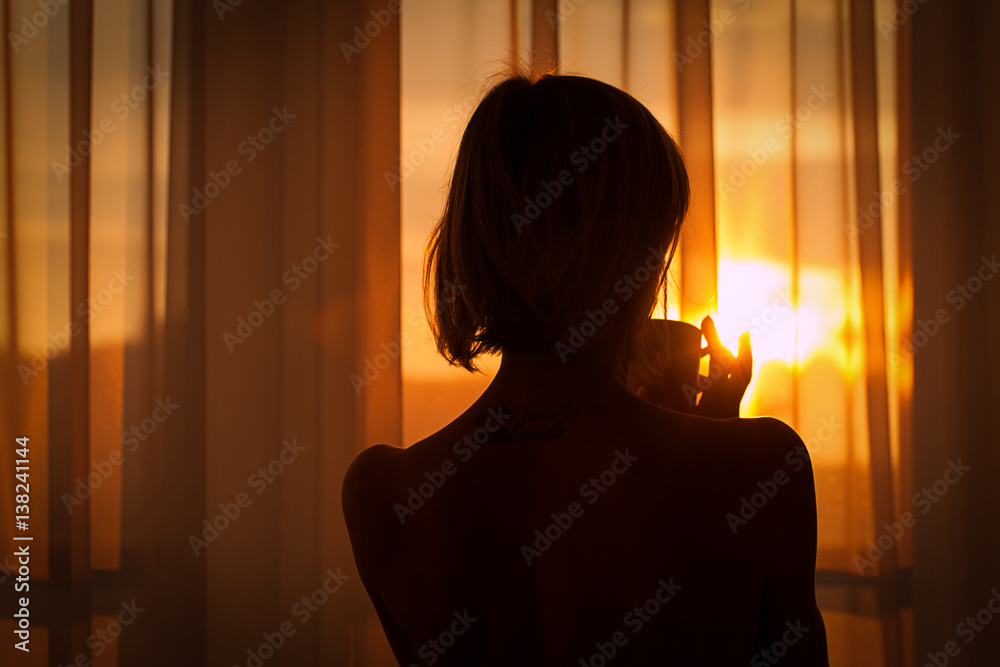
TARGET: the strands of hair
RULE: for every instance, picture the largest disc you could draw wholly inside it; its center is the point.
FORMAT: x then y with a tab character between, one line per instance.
562	215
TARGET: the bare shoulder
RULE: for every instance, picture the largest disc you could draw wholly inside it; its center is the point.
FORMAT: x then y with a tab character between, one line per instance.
780	468
767	444
788	525
786	451
764	461
368	473
776	430
746	440
369	462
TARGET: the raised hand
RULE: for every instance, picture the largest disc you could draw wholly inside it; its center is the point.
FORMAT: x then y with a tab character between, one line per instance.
721	390
728	376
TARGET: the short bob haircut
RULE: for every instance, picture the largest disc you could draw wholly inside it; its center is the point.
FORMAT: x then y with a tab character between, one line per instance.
562	216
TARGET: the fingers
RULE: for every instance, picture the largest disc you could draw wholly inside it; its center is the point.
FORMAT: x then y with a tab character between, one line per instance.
744	356
710	333
720	359
721	391
719	354
729	375
736	384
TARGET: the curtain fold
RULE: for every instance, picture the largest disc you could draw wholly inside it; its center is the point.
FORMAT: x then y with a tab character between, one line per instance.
198	261
876	368
205	256
70	535
787	115
300	287
956	404
180	458
695	135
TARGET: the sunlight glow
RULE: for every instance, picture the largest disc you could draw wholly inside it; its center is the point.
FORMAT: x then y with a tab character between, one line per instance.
756	296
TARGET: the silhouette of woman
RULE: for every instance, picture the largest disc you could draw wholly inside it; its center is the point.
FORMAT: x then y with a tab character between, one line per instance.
563	519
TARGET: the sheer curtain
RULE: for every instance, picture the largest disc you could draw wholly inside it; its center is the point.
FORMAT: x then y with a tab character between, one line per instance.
790	119
198	253
212	223
86	93
956	403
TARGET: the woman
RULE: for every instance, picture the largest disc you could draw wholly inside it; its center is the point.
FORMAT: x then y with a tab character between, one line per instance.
562	519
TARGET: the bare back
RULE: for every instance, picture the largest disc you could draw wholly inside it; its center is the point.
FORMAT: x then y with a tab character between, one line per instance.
572	529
